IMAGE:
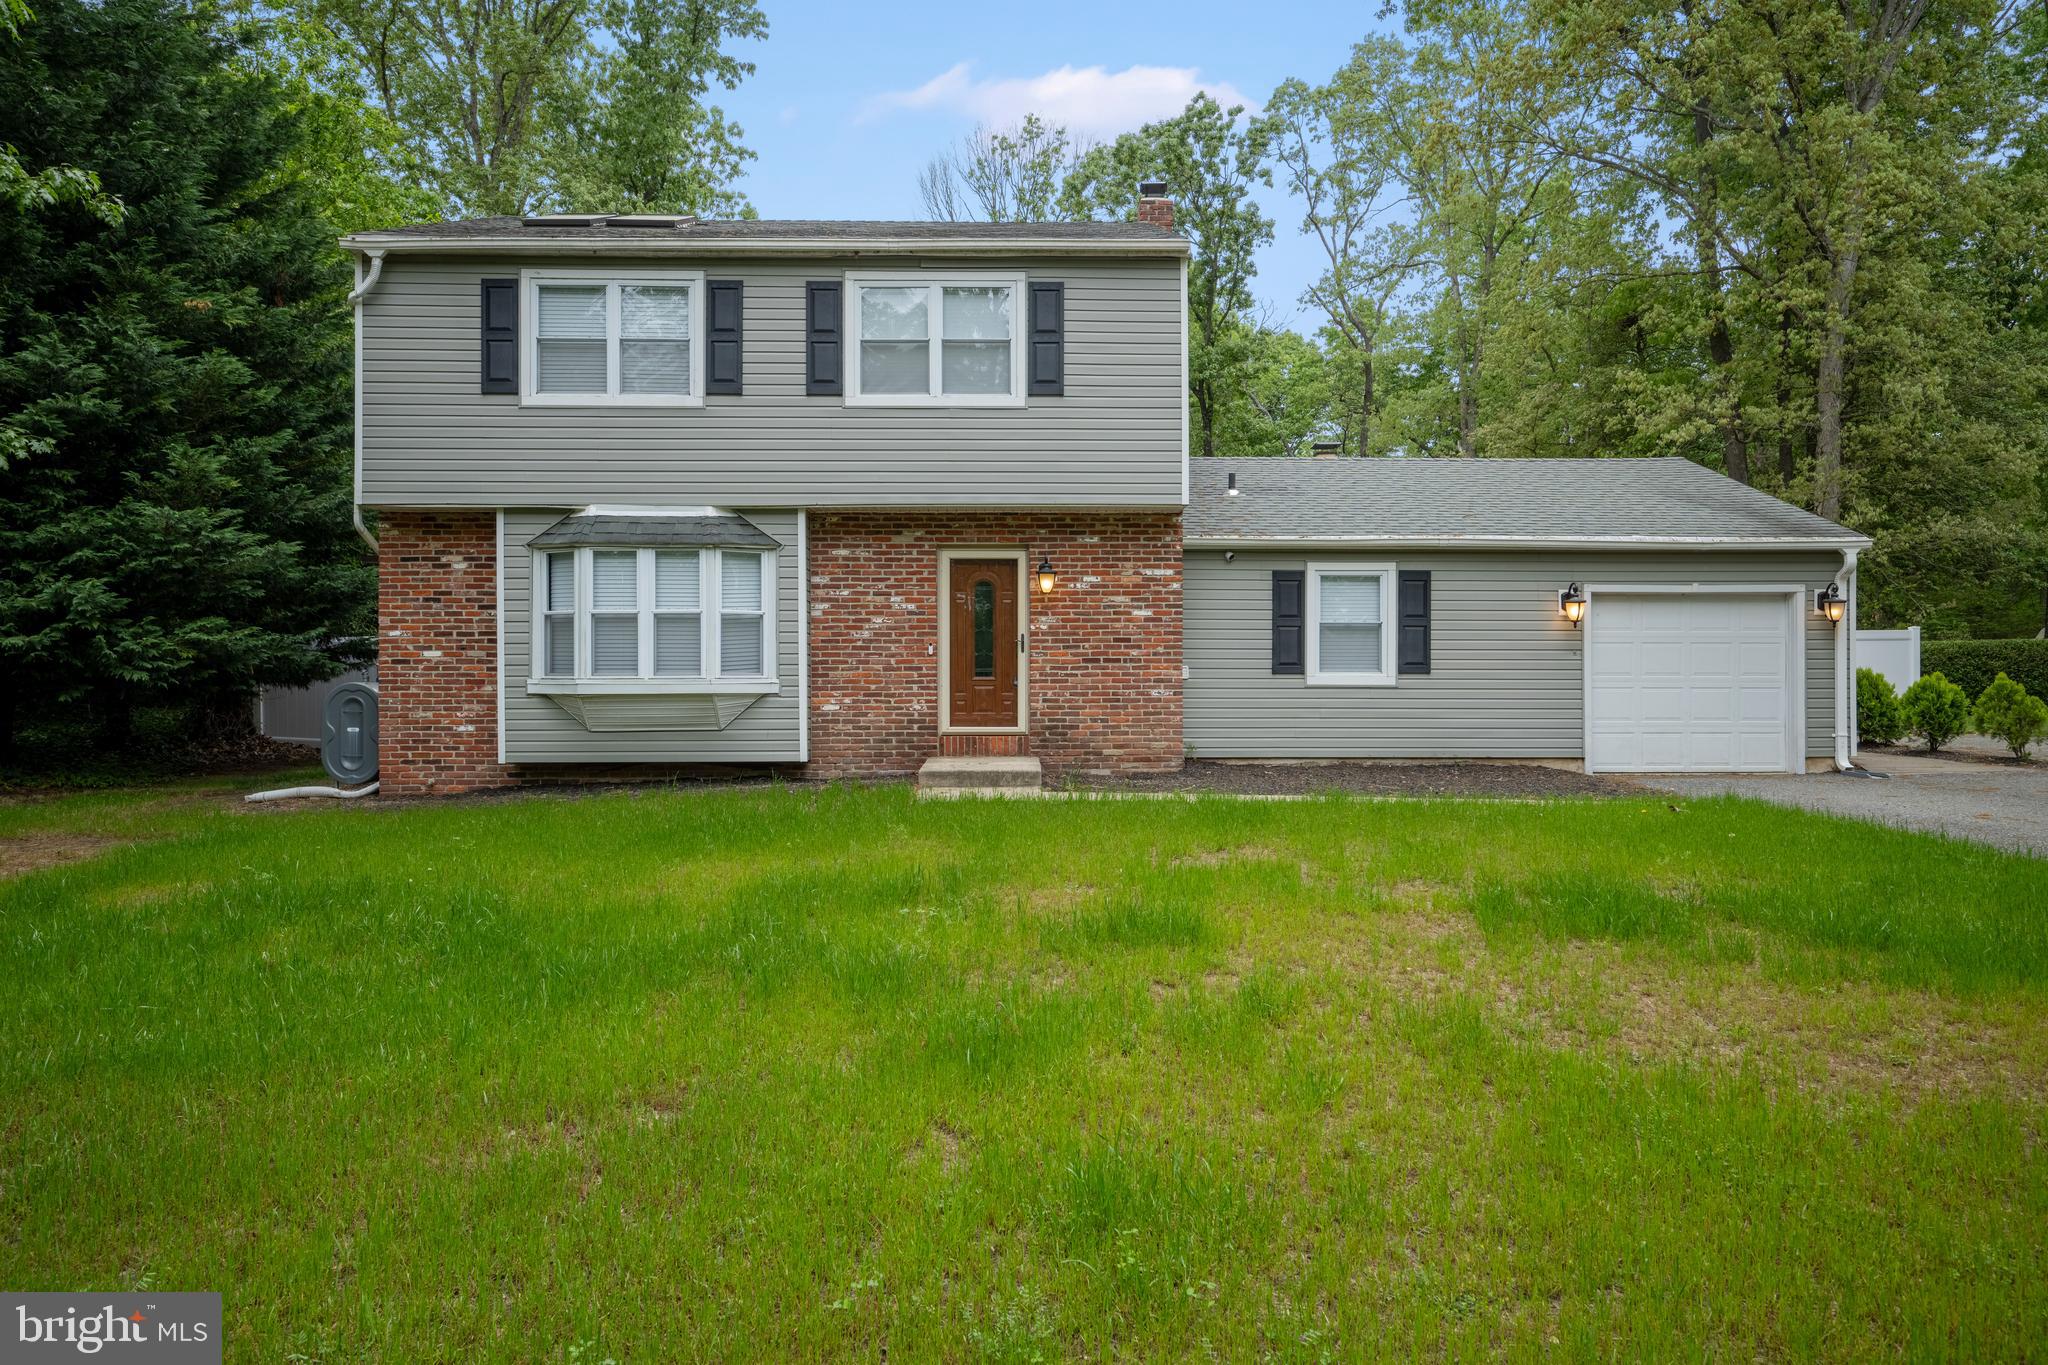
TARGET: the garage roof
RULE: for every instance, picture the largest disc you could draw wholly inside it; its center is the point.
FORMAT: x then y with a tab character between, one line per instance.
1308	501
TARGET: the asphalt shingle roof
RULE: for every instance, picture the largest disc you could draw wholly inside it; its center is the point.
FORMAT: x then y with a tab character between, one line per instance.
1306	499
586	529
1139	236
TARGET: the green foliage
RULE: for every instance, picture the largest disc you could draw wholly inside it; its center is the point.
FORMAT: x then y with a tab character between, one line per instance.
1011	175
1879	717
513	108
1974	663
1936	710
2009	712
174	509
1212	160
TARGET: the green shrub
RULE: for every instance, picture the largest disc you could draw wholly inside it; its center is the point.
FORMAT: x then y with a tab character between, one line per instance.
1972	664
2008	712
1879	720
1936	710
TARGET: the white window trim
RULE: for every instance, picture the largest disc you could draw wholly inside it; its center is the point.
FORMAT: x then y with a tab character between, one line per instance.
1312	623
935	282
710	619
530	282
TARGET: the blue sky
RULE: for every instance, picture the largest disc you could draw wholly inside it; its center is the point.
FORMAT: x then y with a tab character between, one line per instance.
849	100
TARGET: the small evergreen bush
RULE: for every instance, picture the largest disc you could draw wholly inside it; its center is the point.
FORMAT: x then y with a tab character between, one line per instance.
1879	719
2009	712
1936	710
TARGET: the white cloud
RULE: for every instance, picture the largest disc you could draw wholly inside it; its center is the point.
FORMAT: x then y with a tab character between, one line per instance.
1090	101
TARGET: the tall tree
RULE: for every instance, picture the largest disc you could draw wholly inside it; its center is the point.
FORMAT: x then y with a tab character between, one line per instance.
175	515
1333	143
1211	159
1011	175
508	108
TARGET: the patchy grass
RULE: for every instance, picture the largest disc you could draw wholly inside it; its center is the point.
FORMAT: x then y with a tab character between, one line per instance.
792	1074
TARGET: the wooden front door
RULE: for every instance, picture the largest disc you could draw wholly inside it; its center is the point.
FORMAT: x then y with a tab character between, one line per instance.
983	643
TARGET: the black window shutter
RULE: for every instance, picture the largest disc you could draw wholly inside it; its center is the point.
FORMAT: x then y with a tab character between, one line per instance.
1412	610
1287	605
501	336
1047	339
722	336
822	330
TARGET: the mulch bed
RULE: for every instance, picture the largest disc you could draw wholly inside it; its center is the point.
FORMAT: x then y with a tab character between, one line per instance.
1525	780
2003	760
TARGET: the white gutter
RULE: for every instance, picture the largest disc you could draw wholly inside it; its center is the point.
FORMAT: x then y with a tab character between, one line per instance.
1845	675
364	284
1847	545
757	246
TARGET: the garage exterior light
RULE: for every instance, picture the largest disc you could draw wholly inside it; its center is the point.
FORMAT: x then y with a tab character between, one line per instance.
1830	602
1045	576
1571	604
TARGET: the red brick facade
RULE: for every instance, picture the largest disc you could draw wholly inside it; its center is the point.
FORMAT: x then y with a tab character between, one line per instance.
1104	657
437	653
1103	667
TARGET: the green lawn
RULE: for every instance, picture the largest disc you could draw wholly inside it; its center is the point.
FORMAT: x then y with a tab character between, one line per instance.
796	1074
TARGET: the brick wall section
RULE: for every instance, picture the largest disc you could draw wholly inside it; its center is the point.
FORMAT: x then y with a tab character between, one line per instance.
437	653
1104	654
1157	212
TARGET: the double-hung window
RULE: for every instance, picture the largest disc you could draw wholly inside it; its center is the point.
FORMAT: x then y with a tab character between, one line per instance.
953	341
600	338
655	616
1350	624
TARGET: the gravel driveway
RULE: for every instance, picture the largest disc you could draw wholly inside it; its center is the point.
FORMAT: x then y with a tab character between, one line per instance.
1993	803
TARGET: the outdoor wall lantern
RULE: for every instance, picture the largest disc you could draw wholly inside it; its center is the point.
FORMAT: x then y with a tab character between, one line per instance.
1830	602
1571	604
1045	575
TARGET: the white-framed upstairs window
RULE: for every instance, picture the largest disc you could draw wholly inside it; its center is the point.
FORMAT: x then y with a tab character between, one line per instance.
1351	635
953	340
654	619
596	337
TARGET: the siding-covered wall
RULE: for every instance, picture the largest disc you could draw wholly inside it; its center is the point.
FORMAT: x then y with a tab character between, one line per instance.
1507	672
430	439
538	731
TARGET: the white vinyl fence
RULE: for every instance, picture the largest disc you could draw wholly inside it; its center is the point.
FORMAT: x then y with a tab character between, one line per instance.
293	713
1894	653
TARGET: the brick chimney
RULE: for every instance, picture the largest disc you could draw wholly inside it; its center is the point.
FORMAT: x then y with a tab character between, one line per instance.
1153	205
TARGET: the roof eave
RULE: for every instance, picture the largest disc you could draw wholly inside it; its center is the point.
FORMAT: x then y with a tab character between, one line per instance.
411	243
1296	542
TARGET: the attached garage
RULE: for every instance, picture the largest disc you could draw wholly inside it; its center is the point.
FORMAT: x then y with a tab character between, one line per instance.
1695	680
1701	648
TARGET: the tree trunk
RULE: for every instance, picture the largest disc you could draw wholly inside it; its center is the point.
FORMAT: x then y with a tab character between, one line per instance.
1365	408
1828	386
1720	347
1788	457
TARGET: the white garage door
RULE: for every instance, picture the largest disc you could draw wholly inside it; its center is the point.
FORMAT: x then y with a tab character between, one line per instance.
1689	682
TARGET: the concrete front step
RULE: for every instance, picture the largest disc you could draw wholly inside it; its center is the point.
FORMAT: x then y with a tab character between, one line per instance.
950	775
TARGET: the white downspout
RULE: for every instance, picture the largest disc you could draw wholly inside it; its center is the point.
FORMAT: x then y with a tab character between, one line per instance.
364	284
1845	673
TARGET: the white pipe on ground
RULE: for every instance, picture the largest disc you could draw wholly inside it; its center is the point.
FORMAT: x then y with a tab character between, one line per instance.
288	793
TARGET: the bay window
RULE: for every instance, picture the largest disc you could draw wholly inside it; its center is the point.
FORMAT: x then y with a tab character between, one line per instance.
599	338
655	616
1350	631
953	341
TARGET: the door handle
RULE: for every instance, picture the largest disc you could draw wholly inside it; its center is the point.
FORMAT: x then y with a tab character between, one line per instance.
1020	642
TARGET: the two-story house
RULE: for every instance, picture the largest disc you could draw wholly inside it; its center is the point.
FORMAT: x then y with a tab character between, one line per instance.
656	494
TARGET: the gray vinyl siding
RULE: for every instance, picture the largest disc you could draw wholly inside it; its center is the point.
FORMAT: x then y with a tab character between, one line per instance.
538	731
430	439
1507	672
